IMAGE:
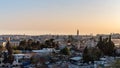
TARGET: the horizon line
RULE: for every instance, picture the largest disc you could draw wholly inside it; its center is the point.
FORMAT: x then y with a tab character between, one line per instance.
92	34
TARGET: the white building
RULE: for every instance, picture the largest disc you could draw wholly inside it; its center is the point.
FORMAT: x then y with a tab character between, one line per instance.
116	42
18	57
45	51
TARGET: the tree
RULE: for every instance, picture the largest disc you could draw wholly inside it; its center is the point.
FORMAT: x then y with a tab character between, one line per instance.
50	43
1	49
22	45
28	45
29	42
65	51
110	46
9	58
86	58
100	43
9	48
106	46
91	54
23	42
47	43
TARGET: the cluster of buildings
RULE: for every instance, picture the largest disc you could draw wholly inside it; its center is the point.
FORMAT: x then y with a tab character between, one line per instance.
51	58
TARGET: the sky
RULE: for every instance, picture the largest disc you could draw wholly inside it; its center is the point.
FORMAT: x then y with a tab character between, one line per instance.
36	17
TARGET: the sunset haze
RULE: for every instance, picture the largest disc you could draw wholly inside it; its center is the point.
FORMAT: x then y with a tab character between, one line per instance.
36	17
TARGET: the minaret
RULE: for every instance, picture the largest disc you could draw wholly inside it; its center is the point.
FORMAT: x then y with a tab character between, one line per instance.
77	32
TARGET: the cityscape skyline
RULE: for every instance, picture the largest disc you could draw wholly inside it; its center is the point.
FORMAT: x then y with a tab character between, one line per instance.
59	17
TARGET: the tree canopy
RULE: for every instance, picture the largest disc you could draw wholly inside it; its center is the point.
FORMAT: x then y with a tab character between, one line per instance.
91	54
106	46
65	51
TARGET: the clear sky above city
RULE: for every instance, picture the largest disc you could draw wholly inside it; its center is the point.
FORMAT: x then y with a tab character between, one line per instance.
59	16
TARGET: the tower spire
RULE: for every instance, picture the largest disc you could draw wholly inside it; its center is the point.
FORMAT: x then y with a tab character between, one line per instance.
77	32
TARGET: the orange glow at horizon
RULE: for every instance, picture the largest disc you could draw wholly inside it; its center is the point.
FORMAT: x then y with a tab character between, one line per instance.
60	17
